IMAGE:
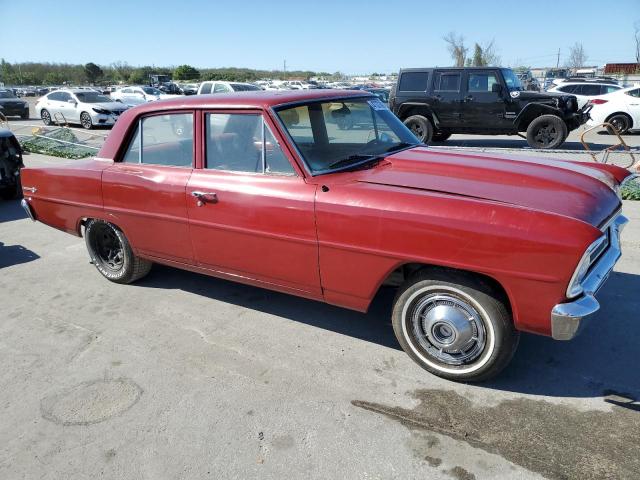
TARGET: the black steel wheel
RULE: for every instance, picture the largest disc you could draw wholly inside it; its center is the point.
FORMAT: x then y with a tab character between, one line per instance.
619	121
111	253
547	132
421	127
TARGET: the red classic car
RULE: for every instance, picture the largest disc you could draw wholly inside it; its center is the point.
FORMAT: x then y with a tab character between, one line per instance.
265	188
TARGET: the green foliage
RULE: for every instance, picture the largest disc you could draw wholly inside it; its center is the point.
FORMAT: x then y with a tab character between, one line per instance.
93	72
186	72
631	190
57	149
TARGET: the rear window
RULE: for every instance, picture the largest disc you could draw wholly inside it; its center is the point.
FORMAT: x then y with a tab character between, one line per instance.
567	89
447	82
413	82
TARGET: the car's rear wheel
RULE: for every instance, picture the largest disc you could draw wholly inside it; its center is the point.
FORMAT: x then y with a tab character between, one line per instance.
85	121
454	325
547	132
619	121
440	136
46	117
111	253
421	127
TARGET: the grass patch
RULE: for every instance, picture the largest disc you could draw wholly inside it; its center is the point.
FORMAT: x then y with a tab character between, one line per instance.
631	190
49	146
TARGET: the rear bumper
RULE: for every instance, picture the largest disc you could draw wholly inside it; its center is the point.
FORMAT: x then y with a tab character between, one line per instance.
567	319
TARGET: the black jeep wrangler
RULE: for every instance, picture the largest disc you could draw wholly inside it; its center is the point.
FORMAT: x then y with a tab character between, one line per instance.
437	102
10	165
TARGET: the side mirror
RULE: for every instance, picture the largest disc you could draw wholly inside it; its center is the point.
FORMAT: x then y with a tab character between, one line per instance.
71	100
496	88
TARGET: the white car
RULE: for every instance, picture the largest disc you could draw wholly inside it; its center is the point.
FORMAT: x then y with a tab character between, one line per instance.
132	96
75	105
585	91
621	109
225	87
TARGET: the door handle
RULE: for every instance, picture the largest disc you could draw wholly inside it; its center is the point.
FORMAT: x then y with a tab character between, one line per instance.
132	171
468	98
205	197
437	97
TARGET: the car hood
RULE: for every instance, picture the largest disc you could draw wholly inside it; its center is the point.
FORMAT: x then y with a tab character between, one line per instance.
109	105
12	100
582	191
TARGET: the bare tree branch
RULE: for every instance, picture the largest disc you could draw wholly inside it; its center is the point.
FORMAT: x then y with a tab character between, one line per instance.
455	45
577	56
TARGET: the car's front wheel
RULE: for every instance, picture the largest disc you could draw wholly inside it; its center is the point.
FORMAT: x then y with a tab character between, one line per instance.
454	325
85	121
620	122
547	132
46	117
421	127
111	253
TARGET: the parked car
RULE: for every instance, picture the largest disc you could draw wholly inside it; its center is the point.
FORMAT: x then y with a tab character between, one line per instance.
12	106
10	165
528	81
585	90
132	96
225	87
270	192
381	93
83	106
189	89
437	102
621	109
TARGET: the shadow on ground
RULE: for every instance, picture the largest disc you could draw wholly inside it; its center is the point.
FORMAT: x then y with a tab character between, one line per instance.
15	255
11	210
601	361
518	143
373	326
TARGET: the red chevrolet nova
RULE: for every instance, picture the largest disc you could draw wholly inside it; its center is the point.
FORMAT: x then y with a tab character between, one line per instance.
326	195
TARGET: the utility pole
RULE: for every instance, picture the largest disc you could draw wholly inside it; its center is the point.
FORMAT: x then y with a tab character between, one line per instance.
558	61
284	69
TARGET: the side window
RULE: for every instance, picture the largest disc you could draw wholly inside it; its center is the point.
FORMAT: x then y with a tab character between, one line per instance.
220	88
481	82
413	82
589	90
55	96
206	87
243	143
64	96
126	90
568	89
609	89
163	140
634	93
447	82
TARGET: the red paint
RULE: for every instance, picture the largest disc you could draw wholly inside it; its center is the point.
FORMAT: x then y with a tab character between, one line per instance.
524	223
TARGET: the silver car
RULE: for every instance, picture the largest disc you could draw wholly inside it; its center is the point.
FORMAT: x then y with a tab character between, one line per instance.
86	107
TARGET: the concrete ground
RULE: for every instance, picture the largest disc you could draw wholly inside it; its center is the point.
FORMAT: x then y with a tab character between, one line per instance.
183	376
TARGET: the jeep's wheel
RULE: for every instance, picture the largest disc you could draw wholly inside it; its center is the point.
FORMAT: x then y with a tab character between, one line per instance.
46	117
421	127
547	132
440	136
620	122
345	122
111	253
454	325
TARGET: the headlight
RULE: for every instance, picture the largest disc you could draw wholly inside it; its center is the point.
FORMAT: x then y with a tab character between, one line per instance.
101	110
590	256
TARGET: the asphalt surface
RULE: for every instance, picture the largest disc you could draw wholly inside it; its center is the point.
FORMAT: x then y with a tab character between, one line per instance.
184	376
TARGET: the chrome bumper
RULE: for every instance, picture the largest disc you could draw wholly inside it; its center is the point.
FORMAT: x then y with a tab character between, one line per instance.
27	208
567	318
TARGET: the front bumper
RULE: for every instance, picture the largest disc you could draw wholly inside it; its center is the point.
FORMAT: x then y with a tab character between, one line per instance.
103	119
567	319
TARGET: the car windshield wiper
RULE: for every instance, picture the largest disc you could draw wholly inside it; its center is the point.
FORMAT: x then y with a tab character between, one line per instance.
352	158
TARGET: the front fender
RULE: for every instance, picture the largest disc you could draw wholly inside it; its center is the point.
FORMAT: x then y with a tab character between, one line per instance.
531	111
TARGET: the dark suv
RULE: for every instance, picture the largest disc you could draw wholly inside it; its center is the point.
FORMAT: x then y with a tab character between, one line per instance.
437	102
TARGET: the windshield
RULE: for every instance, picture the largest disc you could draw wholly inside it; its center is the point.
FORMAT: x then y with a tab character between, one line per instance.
151	91
340	134
512	81
92	97
6	94
241	87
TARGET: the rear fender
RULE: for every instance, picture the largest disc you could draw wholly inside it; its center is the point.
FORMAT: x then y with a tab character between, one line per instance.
409	109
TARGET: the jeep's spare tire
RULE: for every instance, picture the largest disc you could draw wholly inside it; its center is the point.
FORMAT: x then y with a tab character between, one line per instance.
547	132
421	127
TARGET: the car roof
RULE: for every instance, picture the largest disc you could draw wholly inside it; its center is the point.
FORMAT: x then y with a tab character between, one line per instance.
607	84
258	99
450	68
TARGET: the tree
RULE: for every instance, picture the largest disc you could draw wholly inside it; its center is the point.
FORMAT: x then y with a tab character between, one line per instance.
455	45
93	72
186	72
636	26
577	56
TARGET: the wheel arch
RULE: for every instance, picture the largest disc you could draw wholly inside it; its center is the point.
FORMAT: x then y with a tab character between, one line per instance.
629	117
407	110
532	111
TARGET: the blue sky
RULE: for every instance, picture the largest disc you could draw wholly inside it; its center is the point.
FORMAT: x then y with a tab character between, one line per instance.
351	36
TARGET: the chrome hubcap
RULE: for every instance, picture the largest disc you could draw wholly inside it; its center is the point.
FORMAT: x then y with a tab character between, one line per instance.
448	328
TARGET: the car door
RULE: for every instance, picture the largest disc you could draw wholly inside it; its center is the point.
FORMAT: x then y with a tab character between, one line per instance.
447	98
69	107
144	191
632	99
251	213
484	106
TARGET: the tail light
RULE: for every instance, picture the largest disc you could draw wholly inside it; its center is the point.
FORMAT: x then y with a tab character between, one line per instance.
597	101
